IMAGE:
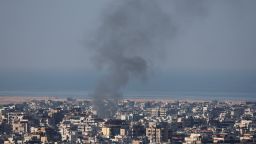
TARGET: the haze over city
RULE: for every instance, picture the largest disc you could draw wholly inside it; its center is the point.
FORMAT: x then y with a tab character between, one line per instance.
127	71
45	49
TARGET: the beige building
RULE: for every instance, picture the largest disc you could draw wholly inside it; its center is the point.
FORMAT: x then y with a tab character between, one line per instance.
158	112
106	131
19	125
193	139
157	133
113	128
136	142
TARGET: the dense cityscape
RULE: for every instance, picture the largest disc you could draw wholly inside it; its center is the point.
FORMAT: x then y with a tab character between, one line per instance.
135	121
127	72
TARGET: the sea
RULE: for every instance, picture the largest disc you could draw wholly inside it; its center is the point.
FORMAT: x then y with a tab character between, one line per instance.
185	95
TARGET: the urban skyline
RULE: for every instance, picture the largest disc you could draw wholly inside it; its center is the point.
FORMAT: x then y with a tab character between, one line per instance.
127	72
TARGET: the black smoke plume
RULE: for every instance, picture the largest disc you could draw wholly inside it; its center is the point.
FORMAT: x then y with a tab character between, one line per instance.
132	31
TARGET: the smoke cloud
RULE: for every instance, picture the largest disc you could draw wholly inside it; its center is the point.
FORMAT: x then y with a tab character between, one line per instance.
132	33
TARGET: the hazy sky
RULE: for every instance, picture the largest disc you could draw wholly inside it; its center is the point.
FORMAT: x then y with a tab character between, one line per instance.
51	35
45	35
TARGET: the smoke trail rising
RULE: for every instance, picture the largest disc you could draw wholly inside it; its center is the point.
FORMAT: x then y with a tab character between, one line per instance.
130	34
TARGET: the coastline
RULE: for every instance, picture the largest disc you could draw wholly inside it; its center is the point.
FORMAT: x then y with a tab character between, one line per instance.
21	99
